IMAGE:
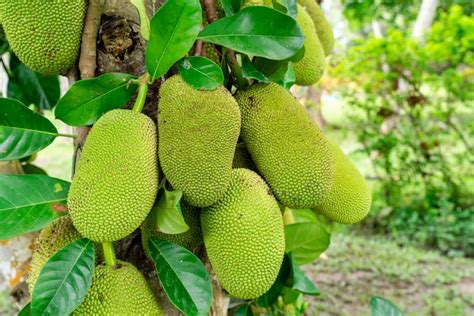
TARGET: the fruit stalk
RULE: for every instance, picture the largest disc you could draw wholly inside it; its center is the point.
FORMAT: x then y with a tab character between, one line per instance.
109	254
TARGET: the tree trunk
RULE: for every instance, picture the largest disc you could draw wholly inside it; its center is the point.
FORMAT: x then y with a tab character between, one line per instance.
425	18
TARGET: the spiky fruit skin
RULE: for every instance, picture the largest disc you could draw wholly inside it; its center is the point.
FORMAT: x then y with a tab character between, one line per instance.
244	236
120	290
211	53
45	35
116	181
54	237
288	148
310	68
242	158
323	28
198	134
189	239
350	197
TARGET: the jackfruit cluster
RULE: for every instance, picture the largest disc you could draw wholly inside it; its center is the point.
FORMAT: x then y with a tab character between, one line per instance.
45	35
53	238
190	239
242	158
116	181
349	200
321	24
244	236
198	134
119	290
288	148
310	68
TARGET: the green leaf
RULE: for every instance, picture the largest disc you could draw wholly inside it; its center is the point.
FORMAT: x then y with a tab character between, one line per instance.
22	131
144	21
307	241
257	31
201	73
167	214
64	280
383	307
184	278
304	216
88	99
174	28
299	281
3	42
289	7
30	87
271	296
250	71
25	311
231	7
243	310
29	203
288	79
33	169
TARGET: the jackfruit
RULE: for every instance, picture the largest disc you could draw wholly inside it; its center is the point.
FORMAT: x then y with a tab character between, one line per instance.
212	53
116	181
198	134
54	237
189	239
287	147
323	28
119	290
310	68
242	158
350	198
45	35
244	236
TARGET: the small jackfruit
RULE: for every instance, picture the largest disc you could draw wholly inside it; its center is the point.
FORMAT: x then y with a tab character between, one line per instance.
242	158
244	236
119	290
310	68
323	28
288	148
350	198
198	134
116	181
212	53
54	237
45	35
190	239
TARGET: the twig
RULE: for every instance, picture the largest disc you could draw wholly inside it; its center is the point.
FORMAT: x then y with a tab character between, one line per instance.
210	8
235	67
198	48
87	61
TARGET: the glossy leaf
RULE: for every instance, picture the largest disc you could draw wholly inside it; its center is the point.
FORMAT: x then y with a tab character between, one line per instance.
382	307
201	73
32	169
88	99
271	296
30	87
257	31
29	203
25	311
174	29
307	241
22	131
288	79
183	276
289	7
64	280
243	310
304	216
144	20
231	7
250	71
167	213
299	281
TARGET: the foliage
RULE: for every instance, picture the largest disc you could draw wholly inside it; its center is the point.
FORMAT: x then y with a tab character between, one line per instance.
411	108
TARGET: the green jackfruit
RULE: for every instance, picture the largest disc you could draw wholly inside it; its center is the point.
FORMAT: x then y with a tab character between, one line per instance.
350	198
116	181
189	239
198	134
323	28
242	158
310	68
244	236
45	35
54	237
288	148
211	53
119	290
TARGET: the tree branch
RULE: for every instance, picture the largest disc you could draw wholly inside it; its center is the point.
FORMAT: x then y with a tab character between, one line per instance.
210	8
87	60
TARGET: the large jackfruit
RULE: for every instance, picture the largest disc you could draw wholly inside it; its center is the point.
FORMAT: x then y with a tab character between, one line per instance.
323	28
242	158
116	181
244	236
54	237
310	68
119	290
45	35
190	239
350	198
198	134
288	148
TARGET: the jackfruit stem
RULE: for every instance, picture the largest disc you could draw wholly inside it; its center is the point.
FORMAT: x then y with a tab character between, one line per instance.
140	102
236	69
67	135
109	254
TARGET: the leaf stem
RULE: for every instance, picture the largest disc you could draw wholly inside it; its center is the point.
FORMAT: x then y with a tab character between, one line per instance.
142	93
236	70
67	135
109	254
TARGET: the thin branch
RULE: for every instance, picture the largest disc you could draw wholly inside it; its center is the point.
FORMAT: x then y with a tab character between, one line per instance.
198	48
87	61
210	8
235	67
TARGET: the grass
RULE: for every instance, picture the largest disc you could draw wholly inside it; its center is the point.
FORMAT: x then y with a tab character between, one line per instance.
420	282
